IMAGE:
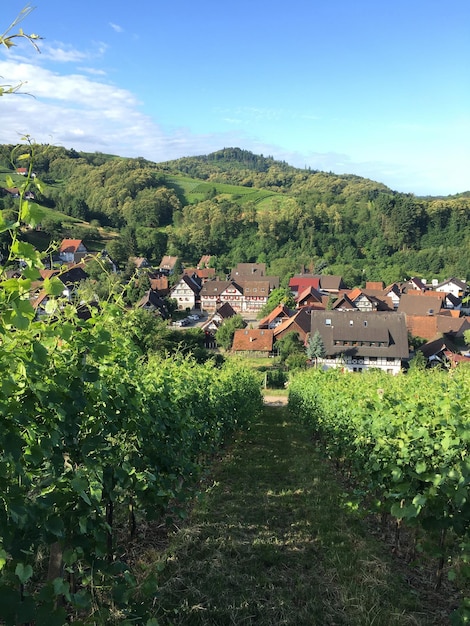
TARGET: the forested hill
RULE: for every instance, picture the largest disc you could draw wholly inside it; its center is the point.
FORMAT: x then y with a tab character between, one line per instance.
241	167
242	207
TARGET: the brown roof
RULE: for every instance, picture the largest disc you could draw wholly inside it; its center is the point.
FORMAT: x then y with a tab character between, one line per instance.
253	340
331	283
424	326
280	311
204	261
160	284
168	262
299	323
344	302
208	273
226	310
139	261
216	287
414	304
245	270
255	287
455	325
309	293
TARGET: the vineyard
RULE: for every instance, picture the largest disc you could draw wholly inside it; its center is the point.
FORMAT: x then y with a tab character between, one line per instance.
94	439
99	438
404	442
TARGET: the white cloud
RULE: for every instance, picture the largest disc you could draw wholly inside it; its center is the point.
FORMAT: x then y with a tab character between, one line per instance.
116	27
92	70
86	113
61	53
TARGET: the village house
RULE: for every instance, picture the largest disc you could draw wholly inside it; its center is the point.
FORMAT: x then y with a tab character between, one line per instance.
245	273
357	341
255	295
216	292
393	292
168	264
204	261
213	323
365	301
421	303
325	283
186	292
443	352
153	302
23	171
140	262
72	251
247	297
159	282
248	271
255	341
344	303
204	274
299	322
311	297
458	288
276	317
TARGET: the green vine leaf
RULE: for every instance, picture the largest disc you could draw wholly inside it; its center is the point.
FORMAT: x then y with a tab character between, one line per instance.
24	572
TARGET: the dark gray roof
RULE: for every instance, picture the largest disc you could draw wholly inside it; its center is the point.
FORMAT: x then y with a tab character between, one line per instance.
357	333
226	310
460	283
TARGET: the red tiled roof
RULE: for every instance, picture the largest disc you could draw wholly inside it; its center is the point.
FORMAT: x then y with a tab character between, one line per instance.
300	283
70	245
253	340
280	311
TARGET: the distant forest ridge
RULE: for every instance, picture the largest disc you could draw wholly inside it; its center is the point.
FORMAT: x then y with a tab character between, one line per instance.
241	207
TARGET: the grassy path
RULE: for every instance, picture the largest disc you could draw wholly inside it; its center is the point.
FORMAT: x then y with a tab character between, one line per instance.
276	541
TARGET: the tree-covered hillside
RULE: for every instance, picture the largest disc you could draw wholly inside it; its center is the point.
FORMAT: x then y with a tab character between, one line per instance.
241	207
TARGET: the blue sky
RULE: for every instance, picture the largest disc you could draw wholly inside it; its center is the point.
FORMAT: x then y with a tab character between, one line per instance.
377	89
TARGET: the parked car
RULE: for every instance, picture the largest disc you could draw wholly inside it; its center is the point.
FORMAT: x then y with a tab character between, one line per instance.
183	322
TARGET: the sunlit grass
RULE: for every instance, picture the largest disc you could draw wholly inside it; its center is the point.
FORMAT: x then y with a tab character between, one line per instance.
274	541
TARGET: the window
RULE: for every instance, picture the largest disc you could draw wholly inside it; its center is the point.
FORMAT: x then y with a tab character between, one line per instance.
328	321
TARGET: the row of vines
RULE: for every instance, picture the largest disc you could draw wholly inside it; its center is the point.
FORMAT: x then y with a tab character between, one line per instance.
405	442
93	439
96	438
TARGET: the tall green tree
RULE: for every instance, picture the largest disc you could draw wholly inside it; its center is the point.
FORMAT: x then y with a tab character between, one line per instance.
315	347
277	296
225	332
290	344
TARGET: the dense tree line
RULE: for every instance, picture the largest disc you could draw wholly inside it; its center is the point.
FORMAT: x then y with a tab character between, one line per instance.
344	224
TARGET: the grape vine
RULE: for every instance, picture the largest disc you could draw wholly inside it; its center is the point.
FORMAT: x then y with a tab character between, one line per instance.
405	439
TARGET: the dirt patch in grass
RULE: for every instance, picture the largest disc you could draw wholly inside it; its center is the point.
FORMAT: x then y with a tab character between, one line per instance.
270	400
